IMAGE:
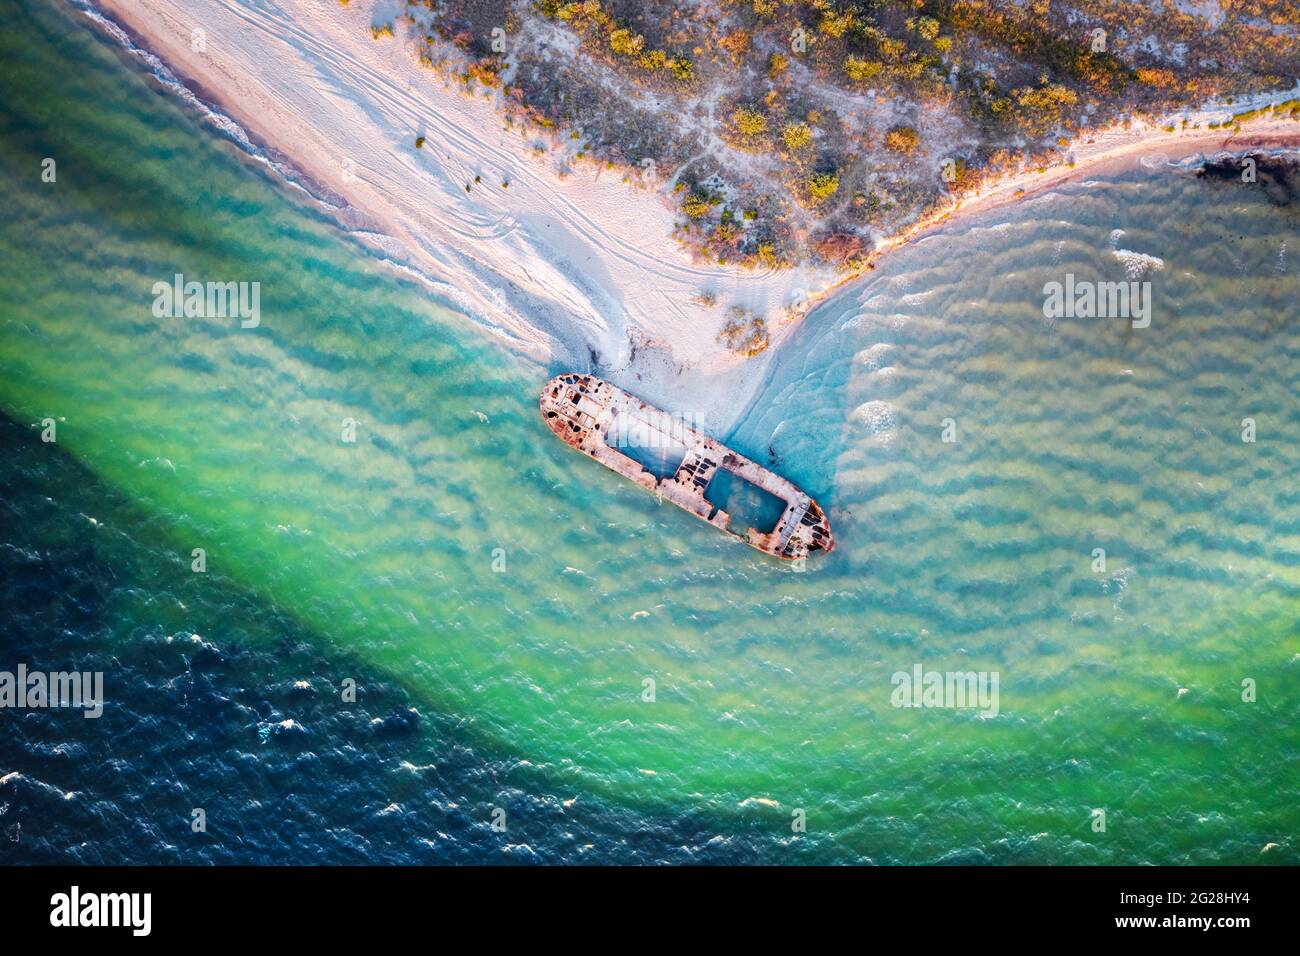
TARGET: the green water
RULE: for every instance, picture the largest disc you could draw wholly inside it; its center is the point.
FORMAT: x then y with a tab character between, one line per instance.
504	581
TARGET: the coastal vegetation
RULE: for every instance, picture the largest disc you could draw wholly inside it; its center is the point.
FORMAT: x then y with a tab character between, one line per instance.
794	131
744	332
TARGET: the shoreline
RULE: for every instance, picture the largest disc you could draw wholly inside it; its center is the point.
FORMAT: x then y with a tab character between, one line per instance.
575	268
575	271
1106	152
1118	151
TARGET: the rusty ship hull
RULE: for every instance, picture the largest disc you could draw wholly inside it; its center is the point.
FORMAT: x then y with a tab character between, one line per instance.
585	411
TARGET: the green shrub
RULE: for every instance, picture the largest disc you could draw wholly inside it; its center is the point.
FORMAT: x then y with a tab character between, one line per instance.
821	186
860	70
626	43
902	139
927	27
695	206
835	24
750	123
797	135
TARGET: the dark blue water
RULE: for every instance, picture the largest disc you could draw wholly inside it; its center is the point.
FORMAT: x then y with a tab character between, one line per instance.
193	726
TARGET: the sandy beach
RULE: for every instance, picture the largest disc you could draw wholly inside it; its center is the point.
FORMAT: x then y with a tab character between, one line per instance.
575	266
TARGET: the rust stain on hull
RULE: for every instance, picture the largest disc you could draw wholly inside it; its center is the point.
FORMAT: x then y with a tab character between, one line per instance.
583	410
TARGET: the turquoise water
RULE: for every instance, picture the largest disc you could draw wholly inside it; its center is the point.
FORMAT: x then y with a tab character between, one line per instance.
748	505
521	598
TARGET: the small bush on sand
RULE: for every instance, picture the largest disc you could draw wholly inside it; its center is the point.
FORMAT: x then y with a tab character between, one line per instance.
835	24
796	136
927	27
839	248
695	206
486	71
822	186
902	139
744	332
1043	108
859	70
750	123
737	44
626	43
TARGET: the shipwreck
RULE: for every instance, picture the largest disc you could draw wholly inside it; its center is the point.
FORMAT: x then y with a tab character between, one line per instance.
637	440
